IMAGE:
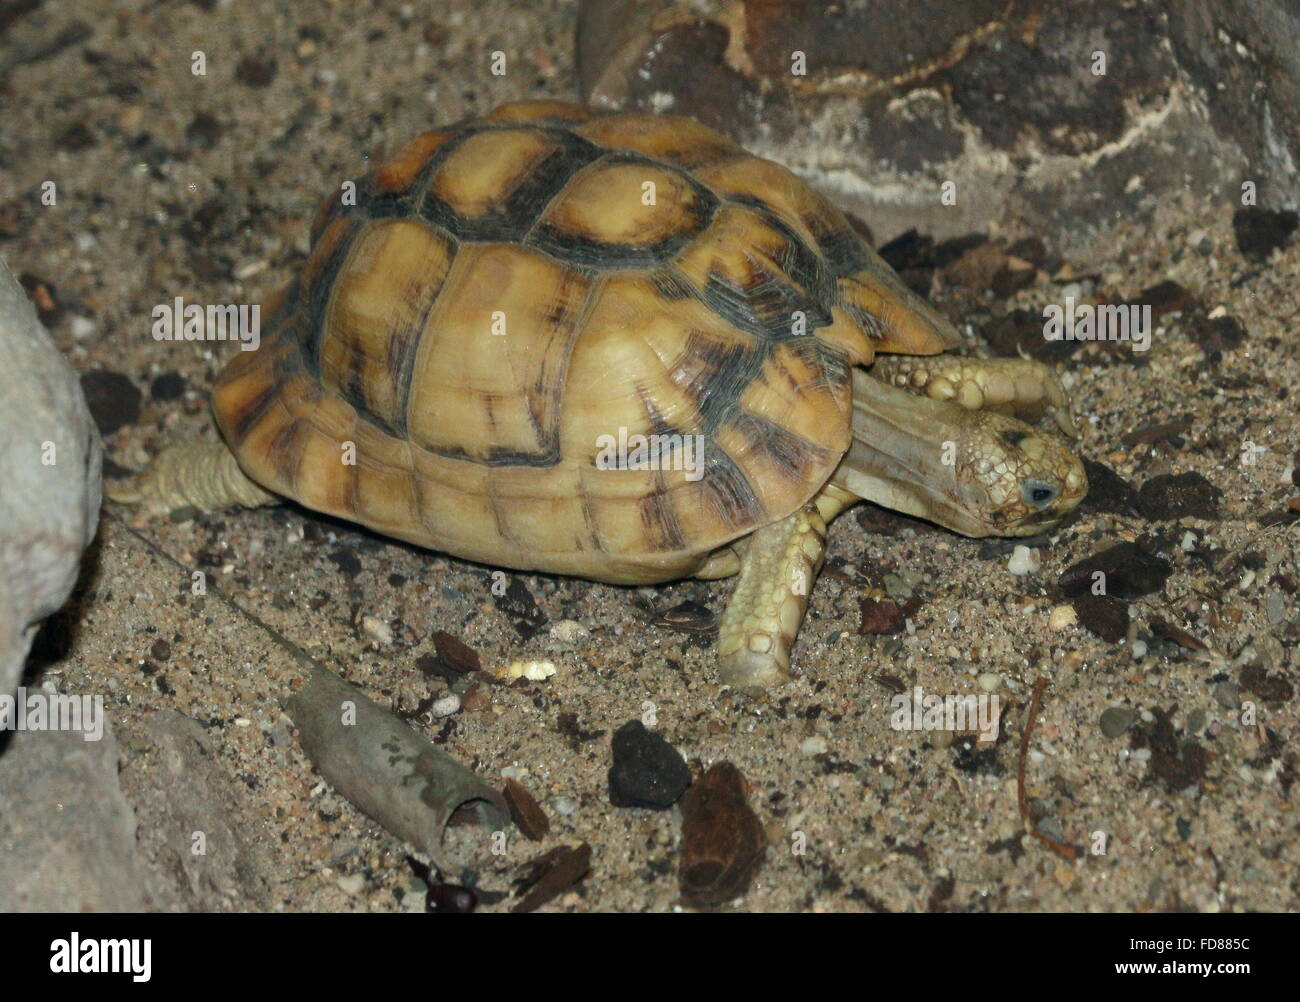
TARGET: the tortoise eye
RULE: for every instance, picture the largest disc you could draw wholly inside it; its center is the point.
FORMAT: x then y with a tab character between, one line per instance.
1039	494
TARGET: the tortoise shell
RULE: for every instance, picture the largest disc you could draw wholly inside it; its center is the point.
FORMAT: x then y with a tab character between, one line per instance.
503	293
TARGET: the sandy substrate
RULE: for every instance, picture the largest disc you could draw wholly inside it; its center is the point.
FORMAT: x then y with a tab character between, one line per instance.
172	185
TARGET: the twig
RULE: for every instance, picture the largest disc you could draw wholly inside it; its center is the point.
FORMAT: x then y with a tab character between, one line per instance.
1060	848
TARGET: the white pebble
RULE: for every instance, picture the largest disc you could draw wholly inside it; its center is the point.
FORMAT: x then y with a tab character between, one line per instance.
446	706
82	327
1139	649
1024	561
1063	617
1189	541
569	631
377	629
989	681
352	883
534	671
814	745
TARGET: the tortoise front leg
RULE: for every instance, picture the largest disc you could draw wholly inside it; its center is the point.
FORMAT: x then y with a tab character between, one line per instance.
777	569
1018	387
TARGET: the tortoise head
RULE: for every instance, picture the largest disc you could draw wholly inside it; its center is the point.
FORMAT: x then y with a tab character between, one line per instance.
1009	479
978	473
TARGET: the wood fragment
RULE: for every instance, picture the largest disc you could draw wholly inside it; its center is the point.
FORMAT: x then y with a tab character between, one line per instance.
526	811
1060	848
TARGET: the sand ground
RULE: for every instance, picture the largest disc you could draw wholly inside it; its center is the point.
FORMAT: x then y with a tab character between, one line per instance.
200	187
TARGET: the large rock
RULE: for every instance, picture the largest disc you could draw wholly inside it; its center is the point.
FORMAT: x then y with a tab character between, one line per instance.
67	833
999	97
50	469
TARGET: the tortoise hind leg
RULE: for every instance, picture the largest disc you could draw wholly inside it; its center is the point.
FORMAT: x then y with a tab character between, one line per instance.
777	570
204	475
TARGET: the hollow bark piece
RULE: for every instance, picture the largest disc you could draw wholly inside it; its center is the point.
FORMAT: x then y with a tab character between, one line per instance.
723	841
385	768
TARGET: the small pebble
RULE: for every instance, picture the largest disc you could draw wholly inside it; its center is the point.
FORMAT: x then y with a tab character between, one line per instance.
352	883
989	681
534	671
1227	695
377	629
1189	541
814	745
569	631
896	588
1116	720
1139	649
445	706
82	327
1142	754
562	805
1275	608
1024	561
1063	617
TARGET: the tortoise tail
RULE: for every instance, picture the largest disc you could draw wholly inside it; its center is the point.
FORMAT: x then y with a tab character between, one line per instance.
202	475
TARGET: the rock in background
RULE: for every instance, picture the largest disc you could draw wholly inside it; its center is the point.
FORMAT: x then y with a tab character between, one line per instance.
998	97
48	510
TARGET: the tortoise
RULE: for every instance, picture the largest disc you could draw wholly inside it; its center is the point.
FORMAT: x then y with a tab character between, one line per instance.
618	346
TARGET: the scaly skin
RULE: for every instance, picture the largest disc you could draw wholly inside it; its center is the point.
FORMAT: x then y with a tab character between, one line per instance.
1020	387
1006	478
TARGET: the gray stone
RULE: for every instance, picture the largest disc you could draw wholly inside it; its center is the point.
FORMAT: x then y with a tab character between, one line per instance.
50	469
67	832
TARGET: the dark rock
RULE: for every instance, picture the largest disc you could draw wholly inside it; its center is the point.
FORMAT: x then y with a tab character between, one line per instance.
521	608
1176	764
254	71
1115	720
1219	334
723	840
1107	491
449	899
455	655
168	386
348	563
1103	615
204	131
1130	572
1267	686
1262	231
1020	332
884	616
114	400
75	137
1166	297
647	770
1183	495
1031	249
